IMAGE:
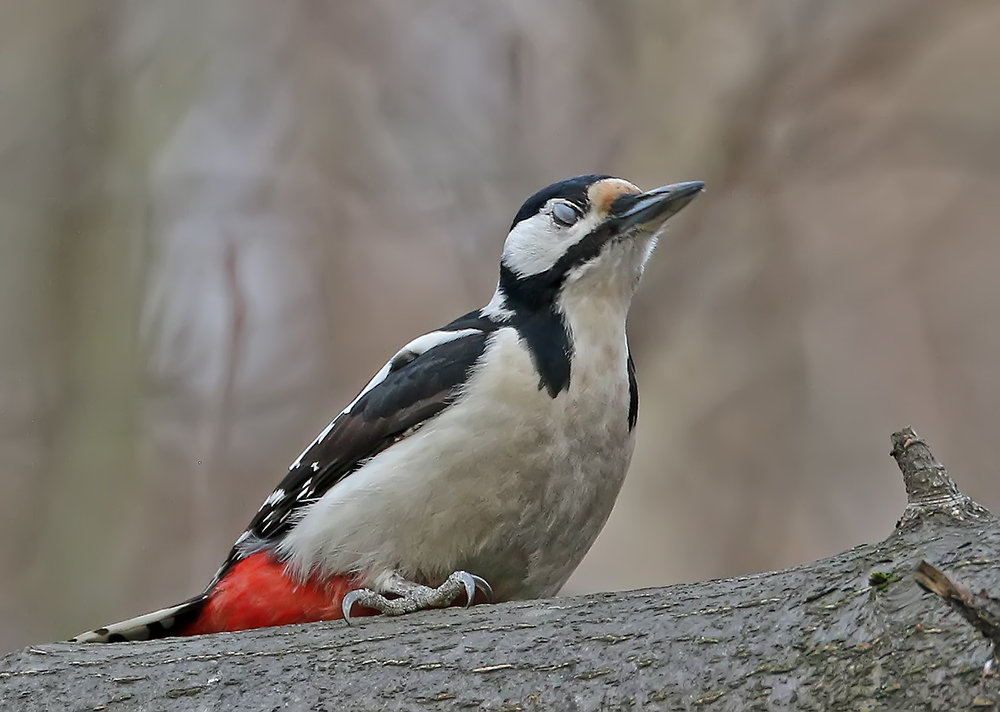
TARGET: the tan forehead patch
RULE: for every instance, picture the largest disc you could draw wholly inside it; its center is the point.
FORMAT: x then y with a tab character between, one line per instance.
603	193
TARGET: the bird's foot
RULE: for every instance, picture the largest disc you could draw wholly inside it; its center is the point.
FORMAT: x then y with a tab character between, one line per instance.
408	596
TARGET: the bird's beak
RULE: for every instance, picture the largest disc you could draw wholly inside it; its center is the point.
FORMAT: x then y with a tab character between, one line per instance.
652	208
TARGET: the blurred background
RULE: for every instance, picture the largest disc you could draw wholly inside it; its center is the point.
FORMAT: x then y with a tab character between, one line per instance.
218	219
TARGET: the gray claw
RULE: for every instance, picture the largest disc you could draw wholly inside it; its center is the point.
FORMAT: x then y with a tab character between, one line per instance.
484	586
469	581
348	603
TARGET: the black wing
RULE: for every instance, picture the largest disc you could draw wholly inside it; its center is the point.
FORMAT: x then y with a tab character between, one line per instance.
419	383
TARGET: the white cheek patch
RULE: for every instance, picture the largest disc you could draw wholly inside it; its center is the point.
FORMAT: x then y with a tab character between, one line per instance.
535	245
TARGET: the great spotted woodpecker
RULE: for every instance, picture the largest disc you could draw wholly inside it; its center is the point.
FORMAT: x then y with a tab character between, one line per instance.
490	450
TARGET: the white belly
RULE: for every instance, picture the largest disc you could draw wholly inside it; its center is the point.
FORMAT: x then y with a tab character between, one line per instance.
514	486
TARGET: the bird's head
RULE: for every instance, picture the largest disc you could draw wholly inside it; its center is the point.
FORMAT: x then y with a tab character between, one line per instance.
590	235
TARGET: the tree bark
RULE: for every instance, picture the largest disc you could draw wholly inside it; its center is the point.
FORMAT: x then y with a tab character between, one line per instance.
851	632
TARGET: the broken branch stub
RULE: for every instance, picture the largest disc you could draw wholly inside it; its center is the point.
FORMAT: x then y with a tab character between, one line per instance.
930	490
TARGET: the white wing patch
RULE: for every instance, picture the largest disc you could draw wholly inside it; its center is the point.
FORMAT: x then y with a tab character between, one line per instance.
406	354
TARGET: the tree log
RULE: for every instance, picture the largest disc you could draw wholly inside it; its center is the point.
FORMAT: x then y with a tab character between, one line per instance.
851	632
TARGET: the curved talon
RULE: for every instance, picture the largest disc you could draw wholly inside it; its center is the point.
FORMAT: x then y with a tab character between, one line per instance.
348	603
473	584
469	581
484	586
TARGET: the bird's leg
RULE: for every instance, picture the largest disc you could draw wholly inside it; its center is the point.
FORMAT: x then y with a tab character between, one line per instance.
410	596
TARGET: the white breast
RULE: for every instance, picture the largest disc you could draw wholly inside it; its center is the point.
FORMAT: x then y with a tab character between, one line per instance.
511	484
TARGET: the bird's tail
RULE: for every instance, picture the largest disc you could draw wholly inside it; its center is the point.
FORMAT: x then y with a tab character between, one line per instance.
256	592
158	624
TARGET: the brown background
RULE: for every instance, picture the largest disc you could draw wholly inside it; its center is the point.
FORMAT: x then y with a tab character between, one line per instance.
217	219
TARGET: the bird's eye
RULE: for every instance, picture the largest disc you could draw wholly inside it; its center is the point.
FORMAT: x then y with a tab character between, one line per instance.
565	213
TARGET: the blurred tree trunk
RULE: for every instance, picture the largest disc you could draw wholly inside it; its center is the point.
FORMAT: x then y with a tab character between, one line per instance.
70	312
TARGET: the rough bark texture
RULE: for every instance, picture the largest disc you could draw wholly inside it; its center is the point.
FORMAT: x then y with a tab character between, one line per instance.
851	632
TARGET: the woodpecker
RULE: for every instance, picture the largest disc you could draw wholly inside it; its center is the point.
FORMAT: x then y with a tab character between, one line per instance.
481	461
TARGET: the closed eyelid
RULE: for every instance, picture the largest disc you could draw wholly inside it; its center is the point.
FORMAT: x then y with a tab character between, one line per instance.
566	212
